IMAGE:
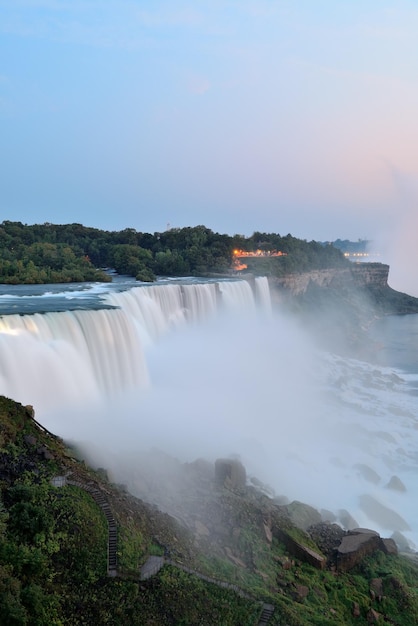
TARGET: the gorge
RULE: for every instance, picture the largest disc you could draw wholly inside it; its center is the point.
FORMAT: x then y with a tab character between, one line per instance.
218	368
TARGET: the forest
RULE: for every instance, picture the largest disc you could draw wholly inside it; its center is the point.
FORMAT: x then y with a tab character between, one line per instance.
54	253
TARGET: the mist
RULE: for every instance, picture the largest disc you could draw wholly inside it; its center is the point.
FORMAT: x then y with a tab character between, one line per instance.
397	237
253	386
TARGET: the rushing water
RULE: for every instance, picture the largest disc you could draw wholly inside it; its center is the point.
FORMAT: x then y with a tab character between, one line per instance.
204	369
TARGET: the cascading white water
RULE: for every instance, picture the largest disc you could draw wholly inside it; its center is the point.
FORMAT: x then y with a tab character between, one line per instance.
220	384
262	292
74	356
237	296
57	358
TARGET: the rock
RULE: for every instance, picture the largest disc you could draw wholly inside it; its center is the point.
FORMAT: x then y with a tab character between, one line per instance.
201	529
376	587
347	521
30	411
268	533
302	515
367	473
300	550
373	616
401	541
328	516
389	546
233	558
30	440
355	611
281	500
230	472
355	546
381	514
43	451
326	536
396	484
300	592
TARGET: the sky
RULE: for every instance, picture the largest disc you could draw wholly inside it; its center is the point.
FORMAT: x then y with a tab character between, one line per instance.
286	116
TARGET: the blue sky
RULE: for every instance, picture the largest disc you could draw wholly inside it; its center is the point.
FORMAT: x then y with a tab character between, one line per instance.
280	116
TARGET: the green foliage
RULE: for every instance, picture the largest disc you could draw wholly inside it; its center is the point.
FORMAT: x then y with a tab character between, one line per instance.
53	560
48	253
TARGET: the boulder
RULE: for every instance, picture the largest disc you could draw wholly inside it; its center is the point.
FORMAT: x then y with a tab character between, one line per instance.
381	514
30	440
373	616
326	536
303	515
230	473
347	520
30	410
299	592
376	589
389	546
396	484
355	545
328	516
367	473
299	549
401	541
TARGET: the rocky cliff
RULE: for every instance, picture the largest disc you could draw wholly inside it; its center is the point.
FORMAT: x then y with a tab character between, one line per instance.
339	304
355	275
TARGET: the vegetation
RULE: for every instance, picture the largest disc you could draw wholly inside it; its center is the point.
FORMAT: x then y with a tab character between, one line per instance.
53	555
51	253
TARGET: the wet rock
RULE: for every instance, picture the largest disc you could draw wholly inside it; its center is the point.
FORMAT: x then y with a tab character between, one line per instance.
302	515
267	532
326	536
30	440
201	529
230	472
376	588
373	616
396	484
30	410
381	514
328	516
389	546
45	453
367	473
300	592
401	541
347	520
355	545
300	550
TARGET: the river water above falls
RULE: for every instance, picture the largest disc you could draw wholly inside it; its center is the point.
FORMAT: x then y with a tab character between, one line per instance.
206	369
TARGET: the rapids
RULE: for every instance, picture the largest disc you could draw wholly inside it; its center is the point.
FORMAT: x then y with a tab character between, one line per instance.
206	370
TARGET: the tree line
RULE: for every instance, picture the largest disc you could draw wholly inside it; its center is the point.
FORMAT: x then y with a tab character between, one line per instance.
55	253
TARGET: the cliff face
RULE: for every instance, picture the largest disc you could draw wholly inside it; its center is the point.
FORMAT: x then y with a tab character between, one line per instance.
356	275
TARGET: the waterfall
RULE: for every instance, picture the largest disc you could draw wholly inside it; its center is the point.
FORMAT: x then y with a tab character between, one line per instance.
262	293
237	296
79	356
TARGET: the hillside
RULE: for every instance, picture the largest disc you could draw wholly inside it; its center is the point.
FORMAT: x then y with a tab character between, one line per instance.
72	552
60	253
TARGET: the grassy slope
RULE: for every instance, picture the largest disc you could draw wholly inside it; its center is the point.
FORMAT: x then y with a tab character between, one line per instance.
53	556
